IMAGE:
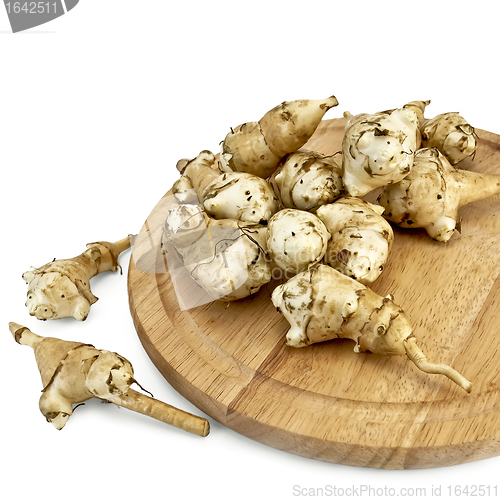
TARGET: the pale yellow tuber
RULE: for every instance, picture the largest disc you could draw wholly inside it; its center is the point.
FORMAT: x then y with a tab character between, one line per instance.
307	180
73	372
448	132
61	288
432	194
361	239
296	239
378	149
257	147
233	195
322	304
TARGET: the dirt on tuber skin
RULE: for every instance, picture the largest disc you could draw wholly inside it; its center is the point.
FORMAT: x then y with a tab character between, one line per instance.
73	372
322	304
258	147
61	288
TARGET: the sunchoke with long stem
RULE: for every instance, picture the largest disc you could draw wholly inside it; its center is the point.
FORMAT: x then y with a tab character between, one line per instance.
73	372
322	304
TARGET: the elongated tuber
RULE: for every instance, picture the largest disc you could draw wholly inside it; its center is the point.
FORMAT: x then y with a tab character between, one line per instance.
73	372
61	288
233	195
257	147
296	239
361	239
378	149
307	180
432	194
322	304
448	132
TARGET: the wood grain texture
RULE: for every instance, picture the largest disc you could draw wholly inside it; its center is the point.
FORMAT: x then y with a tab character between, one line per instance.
324	401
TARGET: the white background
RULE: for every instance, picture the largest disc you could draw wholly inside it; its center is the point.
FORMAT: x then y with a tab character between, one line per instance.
96	108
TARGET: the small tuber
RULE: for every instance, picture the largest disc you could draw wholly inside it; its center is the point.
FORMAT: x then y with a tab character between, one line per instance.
361	239
73	372
61	288
296	239
233	195
257	147
449	132
307	180
225	257
431	195
322	304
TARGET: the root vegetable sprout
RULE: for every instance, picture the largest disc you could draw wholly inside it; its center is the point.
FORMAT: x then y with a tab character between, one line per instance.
257	147
61	288
432	194
322	304
73	372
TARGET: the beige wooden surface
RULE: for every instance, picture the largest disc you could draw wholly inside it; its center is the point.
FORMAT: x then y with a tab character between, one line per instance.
325	401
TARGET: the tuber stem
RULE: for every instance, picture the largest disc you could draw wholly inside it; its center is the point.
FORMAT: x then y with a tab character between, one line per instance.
417	356
164	412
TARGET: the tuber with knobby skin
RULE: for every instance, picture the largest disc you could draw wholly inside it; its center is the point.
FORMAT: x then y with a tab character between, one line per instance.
73	372
233	195
378	149
449	132
432	194
61	288
307	180
322	304
361	239
225	257
258	147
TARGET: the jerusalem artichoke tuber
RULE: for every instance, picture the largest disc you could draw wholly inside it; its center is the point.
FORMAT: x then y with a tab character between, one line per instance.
322	304
361	239
61	288
431	195
226	258
257	147
378	149
307	180
448	132
233	195
296	239
73	372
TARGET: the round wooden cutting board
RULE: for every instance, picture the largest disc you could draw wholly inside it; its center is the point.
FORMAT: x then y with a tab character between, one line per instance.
325	401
